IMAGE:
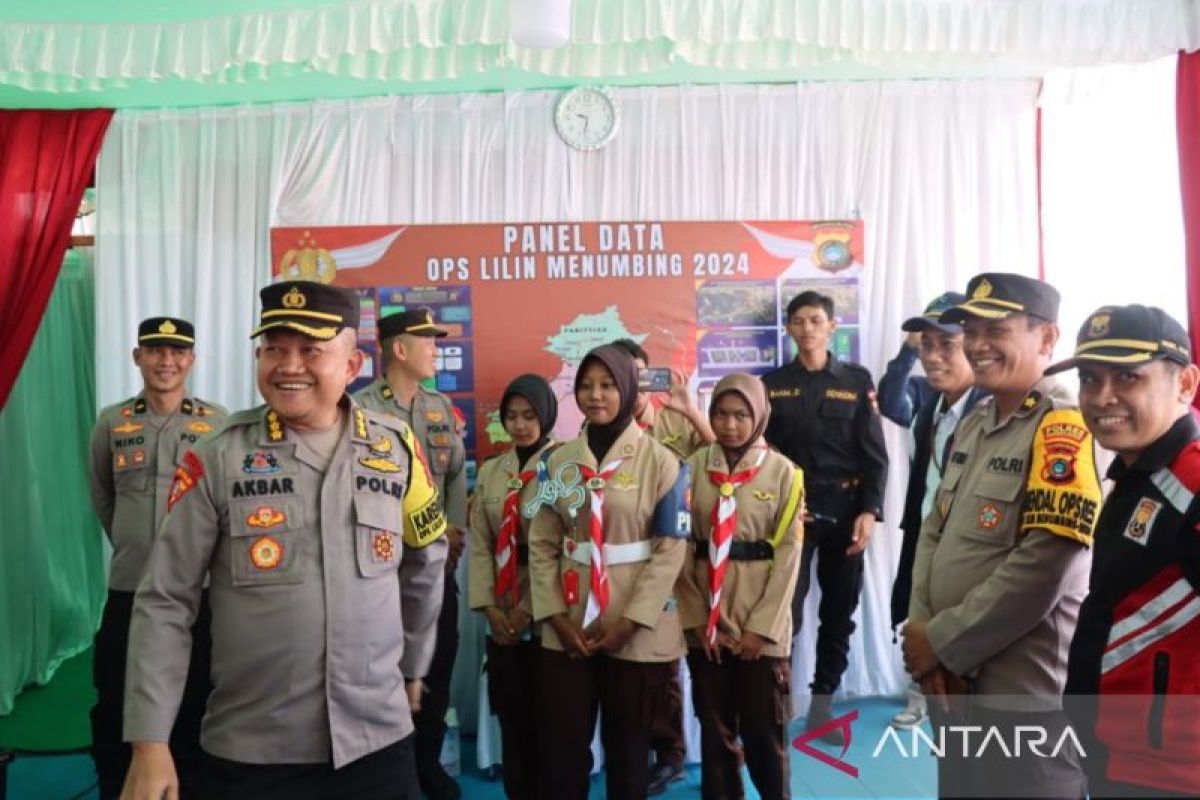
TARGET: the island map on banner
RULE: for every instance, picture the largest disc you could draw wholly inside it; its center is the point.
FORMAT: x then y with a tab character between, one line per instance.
704	297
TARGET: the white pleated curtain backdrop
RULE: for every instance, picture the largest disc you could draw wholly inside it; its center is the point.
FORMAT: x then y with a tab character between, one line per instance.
942	172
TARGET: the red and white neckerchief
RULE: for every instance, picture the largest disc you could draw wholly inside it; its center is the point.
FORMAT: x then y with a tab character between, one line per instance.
597	602
507	540
724	523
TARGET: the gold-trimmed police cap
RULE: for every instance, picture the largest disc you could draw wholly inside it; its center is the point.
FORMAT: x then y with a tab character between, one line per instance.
413	321
171	331
1128	336
996	295
317	310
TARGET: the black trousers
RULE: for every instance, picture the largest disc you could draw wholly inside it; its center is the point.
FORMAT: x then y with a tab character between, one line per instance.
666	729
111	754
747	699
387	774
572	691
430	721
840	577
512	693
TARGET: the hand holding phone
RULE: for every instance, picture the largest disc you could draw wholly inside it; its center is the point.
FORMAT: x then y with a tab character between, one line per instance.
654	379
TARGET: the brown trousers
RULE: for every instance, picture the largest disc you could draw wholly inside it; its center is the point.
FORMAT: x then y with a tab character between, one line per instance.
572	690
666	729
512	685
751	699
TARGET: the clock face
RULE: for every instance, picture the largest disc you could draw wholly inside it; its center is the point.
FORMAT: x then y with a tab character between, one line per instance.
587	117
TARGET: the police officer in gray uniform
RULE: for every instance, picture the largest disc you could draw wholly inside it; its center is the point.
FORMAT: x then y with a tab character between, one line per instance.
135	446
323	538
1002	558
408	344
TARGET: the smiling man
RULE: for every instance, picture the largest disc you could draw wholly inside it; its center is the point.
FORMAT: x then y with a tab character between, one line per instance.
950	395
320	528
1131	679
135	446
1002	558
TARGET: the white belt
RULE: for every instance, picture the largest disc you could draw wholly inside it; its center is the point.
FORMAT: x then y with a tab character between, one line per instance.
613	553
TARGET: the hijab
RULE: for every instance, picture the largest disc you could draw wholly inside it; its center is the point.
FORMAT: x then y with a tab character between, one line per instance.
624	372
752	391
545	405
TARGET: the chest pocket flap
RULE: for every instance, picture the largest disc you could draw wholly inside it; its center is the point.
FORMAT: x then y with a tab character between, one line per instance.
834	408
995	510
265	539
377	534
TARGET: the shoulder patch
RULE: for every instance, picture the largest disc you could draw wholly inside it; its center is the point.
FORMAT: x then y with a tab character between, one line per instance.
424	520
1063	490
1186	466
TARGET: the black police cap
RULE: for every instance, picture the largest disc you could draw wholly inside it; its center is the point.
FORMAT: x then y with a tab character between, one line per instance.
317	310
931	317
413	321
1128	335
996	295
171	331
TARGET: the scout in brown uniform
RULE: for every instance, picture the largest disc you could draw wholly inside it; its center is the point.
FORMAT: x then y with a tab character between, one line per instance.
498	559
680	427
605	549
1002	559
408	343
320	528
735	594
135	446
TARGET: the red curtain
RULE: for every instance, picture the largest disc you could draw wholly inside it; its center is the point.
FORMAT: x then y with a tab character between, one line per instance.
1187	125
46	160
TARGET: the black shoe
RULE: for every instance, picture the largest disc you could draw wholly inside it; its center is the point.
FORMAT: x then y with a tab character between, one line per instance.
437	785
821	712
662	776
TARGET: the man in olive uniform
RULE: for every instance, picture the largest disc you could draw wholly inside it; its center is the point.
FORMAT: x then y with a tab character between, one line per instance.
135	446
408	342
824	417
1002	559
319	526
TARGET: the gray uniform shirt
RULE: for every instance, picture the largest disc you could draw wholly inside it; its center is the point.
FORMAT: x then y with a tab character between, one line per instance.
431	417
133	460
1002	560
326	587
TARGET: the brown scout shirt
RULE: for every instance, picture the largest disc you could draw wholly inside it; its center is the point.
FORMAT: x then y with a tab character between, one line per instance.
639	591
756	596
131	469
672	430
326	588
1002	561
487	512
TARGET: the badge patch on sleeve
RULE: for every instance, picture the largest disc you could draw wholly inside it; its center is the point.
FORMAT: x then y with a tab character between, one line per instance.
1064	491
189	471
424	521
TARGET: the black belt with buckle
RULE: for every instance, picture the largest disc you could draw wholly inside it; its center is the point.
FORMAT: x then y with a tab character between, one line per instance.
740	550
845	484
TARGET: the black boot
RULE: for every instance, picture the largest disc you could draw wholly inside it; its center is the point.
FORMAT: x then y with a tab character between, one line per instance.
821	712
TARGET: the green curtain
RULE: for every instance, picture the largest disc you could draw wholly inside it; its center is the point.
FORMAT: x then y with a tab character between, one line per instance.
52	551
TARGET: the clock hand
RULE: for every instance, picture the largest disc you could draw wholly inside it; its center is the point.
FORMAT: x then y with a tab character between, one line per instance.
585	119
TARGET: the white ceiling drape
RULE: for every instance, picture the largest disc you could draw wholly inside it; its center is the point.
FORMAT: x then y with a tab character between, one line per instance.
942	173
437	40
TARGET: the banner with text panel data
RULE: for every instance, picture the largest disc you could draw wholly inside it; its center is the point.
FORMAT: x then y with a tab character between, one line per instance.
704	297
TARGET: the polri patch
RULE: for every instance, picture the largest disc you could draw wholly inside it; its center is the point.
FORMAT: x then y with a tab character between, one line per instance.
1142	520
